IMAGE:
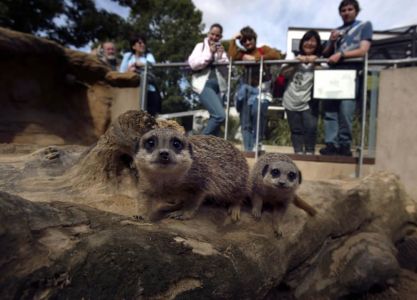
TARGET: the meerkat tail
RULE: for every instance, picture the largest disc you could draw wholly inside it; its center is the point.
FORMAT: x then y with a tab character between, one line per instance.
300	203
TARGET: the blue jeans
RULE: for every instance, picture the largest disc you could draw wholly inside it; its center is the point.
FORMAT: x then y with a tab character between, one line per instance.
338	115
247	104
210	99
338	118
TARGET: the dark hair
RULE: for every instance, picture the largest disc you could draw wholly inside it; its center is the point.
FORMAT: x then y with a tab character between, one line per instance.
354	3
136	38
218	26
308	35
248	33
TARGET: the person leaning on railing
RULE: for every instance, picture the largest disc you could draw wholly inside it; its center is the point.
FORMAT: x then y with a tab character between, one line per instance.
243	47
301	109
134	61
209	81
352	39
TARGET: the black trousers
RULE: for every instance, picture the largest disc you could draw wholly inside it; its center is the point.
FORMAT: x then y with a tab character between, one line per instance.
303	127
153	102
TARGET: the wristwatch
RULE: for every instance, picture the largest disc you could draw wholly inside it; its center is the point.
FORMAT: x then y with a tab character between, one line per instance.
342	54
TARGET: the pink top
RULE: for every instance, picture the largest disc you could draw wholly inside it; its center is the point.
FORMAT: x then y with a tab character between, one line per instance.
201	56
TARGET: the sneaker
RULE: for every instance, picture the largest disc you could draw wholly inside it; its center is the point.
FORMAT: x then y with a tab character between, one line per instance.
344	150
299	152
330	149
309	153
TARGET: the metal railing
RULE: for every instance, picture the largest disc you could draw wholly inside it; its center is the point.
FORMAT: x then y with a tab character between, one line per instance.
393	63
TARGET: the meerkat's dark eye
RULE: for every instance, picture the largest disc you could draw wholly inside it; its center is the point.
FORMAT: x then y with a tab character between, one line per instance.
150	143
177	144
275	173
292	176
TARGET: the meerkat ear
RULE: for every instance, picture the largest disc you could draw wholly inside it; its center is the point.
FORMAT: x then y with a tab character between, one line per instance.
265	170
300	177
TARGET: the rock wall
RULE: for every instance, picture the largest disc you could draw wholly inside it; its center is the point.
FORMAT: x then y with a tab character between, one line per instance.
53	95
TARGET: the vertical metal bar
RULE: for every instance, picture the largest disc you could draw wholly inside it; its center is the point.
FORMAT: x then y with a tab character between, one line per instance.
364	93
413	41
258	119
144	88
229	76
372	114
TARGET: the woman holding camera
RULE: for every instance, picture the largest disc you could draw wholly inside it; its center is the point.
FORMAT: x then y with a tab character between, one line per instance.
134	61
209	81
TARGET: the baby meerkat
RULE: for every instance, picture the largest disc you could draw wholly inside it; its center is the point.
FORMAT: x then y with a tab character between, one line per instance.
176	174
274	180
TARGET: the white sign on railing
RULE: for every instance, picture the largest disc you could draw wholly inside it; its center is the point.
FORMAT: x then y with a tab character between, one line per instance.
334	84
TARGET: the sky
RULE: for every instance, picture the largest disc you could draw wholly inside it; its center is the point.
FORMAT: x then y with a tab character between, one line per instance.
271	18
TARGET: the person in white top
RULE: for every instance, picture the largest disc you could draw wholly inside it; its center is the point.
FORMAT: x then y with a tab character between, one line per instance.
209	81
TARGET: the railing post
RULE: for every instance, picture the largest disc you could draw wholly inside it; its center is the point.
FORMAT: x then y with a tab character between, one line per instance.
229	76
144	88
372	114
363	121
258	119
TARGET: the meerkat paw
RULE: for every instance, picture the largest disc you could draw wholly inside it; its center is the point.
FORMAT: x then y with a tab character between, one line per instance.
139	218
234	212
256	213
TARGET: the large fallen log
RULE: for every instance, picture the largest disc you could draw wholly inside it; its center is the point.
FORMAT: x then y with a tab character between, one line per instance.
362	242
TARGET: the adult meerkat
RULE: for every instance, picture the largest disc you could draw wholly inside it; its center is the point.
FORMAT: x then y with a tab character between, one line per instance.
176	174
274	180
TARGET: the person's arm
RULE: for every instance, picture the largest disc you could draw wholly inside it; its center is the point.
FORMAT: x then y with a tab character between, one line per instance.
125	63
200	58
307	58
234	52
288	71
331	43
268	53
364	46
150	58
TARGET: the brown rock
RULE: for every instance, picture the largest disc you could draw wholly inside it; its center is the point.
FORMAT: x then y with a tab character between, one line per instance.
74	250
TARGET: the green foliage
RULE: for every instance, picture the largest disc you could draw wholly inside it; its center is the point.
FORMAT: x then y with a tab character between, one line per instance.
172	27
87	24
278	131
71	22
30	16
174	103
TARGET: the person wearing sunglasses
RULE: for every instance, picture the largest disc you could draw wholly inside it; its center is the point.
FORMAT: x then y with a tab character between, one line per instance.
134	61
243	47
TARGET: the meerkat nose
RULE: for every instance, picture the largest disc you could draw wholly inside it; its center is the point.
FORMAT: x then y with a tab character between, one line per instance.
164	155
